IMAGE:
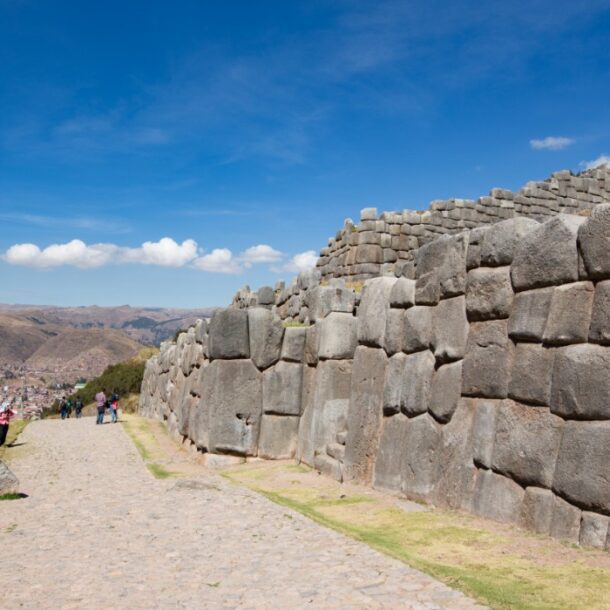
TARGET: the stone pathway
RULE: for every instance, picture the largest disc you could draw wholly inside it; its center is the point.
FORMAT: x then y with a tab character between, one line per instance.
98	531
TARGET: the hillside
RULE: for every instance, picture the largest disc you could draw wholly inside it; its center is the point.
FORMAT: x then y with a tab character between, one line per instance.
146	325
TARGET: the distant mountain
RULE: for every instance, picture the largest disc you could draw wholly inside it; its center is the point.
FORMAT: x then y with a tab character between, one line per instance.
146	325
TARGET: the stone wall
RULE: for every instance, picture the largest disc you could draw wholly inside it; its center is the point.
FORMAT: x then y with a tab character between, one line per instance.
482	383
385	244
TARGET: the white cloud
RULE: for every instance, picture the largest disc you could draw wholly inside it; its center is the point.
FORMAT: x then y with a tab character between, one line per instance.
260	254
220	260
301	262
552	143
166	253
75	253
601	160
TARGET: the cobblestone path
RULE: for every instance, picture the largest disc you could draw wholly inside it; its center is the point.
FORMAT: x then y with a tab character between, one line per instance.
98	531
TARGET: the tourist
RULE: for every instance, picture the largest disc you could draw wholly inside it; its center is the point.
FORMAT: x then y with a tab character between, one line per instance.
63	408
68	408
114	407
78	407
6	413
100	399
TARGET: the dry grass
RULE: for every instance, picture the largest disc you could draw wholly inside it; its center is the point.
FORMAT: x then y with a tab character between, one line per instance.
497	564
15	428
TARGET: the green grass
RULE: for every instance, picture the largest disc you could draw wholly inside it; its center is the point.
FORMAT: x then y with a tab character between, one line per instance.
505	569
159	472
11	496
295	324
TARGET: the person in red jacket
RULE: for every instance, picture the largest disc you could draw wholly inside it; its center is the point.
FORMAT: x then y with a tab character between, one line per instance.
6	414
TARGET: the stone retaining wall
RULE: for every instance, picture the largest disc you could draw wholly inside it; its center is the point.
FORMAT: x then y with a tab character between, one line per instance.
385	244
482	383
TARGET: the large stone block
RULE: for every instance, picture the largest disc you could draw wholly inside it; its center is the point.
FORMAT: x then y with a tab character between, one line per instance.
265	295
450	329
580	387
278	437
369	253
394	387
417	328
338	336
499	240
365	413
497	497
282	385
537	510
446	390
373	309
234	401
599	331
457	473
403	293
422	465
444	260
266	332
489	293
594	242
201	331
330	402
565	523
390	462
526	443
594	530
305	446
528	317
417	382
548	254
293	346
395	331
488	360
570	314
323	300
582	474
228	334
484	431
532	373
312	343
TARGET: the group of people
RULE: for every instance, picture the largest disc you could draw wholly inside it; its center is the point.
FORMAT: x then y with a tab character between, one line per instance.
103	402
67	404
6	414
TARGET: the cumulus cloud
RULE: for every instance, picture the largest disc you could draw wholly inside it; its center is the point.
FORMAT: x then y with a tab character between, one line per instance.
76	253
260	254
601	160
220	260
551	143
164	253
300	262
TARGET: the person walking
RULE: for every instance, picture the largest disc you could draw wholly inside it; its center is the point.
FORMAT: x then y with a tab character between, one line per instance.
100	399
78	407
68	408
6	413
114	407
63	408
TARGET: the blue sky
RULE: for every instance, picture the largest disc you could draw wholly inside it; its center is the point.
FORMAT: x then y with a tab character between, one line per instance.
230	137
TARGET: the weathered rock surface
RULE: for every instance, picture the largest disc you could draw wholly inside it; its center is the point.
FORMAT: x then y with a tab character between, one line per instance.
373	309
417	329
532	374
499	240
8	481
450	329
365	413
489	293
228	334
529	314
235	406
417	383
497	497
526	443
569	314
390	463
445	391
594	242
581	384
338	336
282	386
293	346
548	254
278	436
266	332
537	510
599	331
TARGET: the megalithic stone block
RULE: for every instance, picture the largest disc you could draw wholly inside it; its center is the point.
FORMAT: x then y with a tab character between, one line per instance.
594	242
228	334
266	332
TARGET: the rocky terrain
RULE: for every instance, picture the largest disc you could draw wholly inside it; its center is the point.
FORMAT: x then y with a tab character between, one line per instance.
474	376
